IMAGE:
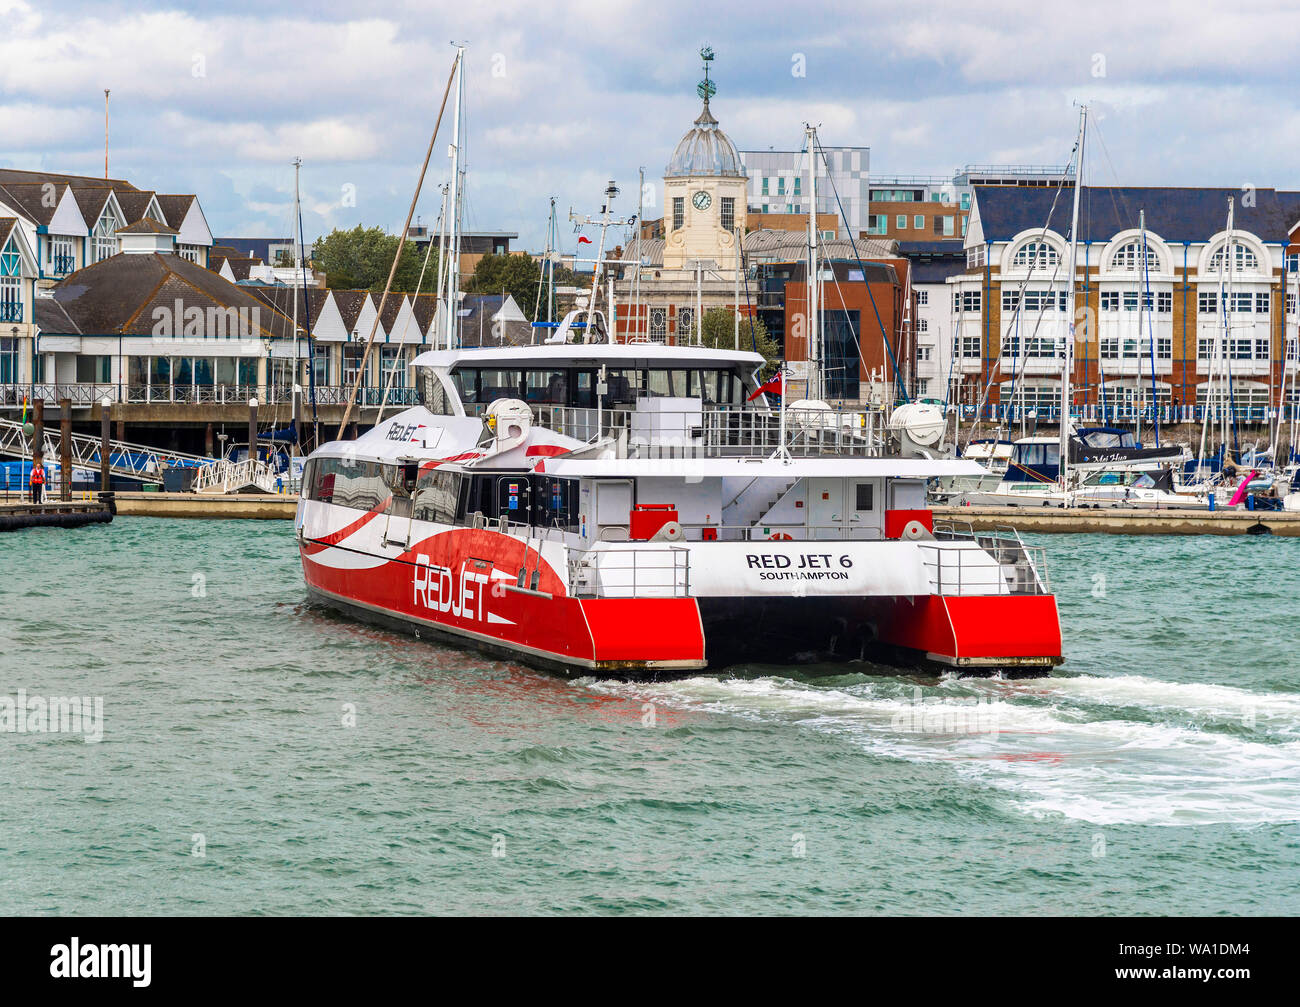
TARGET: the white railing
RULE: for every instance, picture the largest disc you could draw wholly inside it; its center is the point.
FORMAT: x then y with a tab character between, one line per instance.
736	431
86	394
631	572
136	460
225	476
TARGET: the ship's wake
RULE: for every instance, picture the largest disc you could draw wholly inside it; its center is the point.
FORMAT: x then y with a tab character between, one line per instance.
1123	749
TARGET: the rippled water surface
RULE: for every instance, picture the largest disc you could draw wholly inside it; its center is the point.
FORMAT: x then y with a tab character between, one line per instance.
1158	771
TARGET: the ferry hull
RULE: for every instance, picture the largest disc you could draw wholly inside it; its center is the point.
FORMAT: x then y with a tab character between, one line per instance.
1014	634
659	637
616	636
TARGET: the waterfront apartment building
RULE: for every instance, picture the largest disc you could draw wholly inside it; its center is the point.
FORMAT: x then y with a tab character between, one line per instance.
937	207
1147	327
778	184
52	225
932	262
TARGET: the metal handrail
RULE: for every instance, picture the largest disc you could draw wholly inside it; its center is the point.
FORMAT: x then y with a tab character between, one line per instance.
587	569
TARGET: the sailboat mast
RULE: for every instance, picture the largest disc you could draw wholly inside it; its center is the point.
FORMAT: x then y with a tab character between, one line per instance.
295	387
814	274
1067	361
453	266
552	238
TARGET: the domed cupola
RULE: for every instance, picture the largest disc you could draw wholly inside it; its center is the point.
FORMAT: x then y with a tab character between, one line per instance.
704	192
705	150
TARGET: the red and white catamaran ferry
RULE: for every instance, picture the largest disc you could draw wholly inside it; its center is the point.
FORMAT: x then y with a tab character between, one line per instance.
630	510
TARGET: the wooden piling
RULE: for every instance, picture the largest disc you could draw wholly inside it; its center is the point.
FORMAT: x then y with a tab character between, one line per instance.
105	423
65	449
252	428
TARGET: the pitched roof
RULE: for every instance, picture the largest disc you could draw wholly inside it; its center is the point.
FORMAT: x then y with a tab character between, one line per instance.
223	252
146	225
134	203
91	199
118	295
391	307
7	224
51	317
18	175
770	241
933	261
424	307
1175	214
240	267
283	298
349	304
30	198
175	208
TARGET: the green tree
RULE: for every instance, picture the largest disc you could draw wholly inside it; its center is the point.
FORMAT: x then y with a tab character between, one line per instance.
360	258
517	275
718	332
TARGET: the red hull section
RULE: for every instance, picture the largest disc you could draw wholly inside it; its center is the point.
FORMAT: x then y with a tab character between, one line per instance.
977	630
463	583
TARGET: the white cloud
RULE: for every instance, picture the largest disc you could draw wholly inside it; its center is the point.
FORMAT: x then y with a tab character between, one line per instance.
560	98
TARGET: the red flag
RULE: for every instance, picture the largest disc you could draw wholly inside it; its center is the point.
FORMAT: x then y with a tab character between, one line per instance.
773	386
583	240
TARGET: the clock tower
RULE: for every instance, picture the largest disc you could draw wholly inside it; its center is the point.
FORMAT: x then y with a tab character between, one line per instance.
704	192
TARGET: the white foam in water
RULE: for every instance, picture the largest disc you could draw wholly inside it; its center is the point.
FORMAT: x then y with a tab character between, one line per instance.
1035	739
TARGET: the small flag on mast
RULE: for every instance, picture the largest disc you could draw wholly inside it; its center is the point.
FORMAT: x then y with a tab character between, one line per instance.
774	385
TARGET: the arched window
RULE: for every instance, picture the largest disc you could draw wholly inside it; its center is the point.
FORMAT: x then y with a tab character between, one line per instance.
1243	259
1035	255
1128	257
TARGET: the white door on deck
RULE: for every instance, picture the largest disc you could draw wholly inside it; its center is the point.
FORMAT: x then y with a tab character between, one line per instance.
864	511
825	508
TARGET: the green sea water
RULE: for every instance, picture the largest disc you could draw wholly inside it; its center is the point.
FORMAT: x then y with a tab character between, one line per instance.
262	756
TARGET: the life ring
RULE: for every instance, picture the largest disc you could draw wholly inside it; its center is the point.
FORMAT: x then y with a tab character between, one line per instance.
780	537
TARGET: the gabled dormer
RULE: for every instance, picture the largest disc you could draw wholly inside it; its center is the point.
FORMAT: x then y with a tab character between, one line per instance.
194	237
100	204
52	222
17	270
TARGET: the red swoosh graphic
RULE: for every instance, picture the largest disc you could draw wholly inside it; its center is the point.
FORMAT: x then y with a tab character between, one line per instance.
321	544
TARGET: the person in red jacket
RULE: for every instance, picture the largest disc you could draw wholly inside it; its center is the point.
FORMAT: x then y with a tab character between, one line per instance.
38	481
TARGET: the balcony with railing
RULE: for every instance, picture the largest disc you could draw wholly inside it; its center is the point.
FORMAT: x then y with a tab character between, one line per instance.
731	431
86	394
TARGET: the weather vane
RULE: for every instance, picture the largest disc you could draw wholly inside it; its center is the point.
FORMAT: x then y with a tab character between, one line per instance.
706	89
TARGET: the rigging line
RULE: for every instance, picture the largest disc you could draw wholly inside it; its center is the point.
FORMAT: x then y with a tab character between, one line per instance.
311	350
401	246
847	320
898	377
1042	235
1020	292
401	345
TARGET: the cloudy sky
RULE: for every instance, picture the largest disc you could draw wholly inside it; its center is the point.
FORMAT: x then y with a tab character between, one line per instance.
217	99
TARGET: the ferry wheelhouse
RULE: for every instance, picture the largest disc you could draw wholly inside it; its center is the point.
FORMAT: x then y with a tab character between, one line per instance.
641	509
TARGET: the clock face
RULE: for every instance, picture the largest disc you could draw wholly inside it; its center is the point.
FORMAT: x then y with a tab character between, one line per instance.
702	200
